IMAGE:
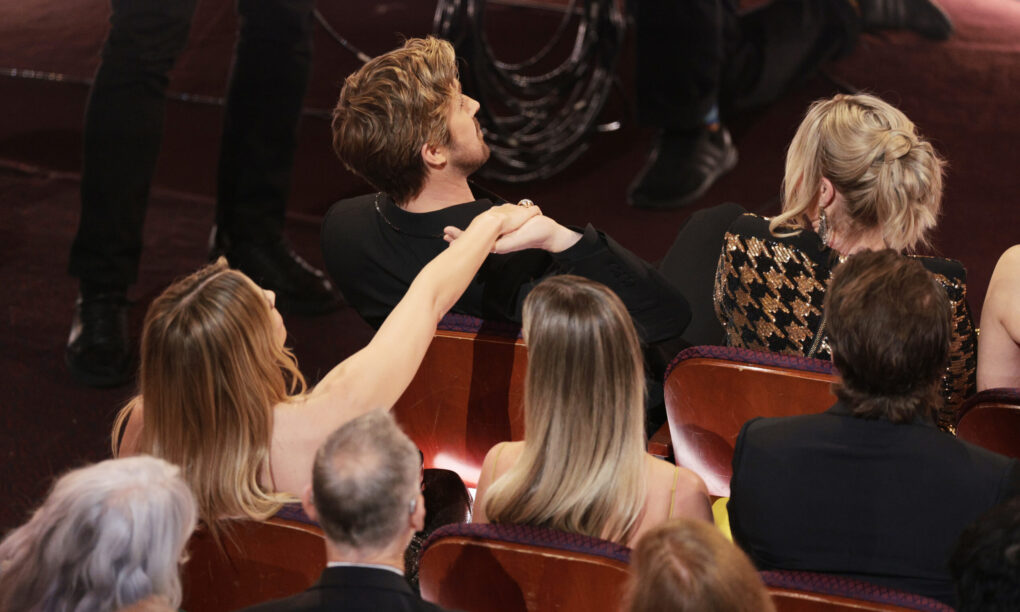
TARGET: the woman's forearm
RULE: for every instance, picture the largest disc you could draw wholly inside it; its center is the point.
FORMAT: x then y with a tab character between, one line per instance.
443	280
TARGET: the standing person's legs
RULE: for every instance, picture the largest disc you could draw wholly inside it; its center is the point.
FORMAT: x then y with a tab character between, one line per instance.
696	57
122	133
782	44
682	46
272	64
786	41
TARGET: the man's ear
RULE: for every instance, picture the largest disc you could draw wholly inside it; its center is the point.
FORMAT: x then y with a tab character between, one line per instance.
308	504
434	156
418	516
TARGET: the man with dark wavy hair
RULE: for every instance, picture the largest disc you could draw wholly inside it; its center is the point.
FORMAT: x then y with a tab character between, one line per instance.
870	488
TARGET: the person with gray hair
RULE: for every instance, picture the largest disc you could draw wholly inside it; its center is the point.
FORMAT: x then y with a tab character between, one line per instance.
366	495
109	535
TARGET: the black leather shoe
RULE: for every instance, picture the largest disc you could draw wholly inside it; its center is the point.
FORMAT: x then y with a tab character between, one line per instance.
300	287
99	348
925	17
681	168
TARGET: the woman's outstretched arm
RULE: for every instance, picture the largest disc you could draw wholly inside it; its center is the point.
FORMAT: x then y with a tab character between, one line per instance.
378	374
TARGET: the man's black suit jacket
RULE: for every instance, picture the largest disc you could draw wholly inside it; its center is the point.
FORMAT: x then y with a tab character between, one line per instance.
353	589
862	498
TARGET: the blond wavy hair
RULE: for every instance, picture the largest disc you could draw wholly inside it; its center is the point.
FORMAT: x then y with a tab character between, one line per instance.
211	373
582	469
390	108
688	565
890	177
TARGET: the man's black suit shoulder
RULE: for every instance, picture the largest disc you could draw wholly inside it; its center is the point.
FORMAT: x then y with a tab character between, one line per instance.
353	589
868	499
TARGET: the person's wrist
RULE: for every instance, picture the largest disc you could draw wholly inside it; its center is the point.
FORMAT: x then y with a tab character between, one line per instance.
561	239
493	220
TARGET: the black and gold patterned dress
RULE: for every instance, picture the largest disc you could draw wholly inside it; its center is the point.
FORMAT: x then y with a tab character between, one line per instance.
769	291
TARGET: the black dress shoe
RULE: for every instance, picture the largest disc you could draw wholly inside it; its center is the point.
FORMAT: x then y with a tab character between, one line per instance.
925	17
99	348
300	287
681	168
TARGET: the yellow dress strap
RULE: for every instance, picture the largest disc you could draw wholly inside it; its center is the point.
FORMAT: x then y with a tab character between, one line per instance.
672	492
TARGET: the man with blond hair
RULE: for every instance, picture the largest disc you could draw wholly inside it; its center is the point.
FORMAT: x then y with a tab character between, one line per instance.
403	124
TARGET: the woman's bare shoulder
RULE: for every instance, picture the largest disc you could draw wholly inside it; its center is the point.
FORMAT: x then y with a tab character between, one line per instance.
131	438
663	475
502	456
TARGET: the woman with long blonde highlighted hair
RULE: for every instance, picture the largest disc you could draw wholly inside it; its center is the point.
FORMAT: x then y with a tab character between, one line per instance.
222	397
582	466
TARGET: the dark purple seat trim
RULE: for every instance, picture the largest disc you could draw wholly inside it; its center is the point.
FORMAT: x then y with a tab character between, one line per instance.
294	512
474	325
830	584
998	395
762	358
534	536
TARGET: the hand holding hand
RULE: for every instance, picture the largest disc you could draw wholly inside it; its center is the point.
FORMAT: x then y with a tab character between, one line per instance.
536	233
513	216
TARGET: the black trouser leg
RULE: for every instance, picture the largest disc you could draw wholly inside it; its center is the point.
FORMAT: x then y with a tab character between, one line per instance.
693	54
783	43
681	50
268	81
122	133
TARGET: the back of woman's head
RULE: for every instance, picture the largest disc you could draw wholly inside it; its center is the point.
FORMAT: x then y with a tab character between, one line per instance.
212	368
108	535
582	466
689	565
890	177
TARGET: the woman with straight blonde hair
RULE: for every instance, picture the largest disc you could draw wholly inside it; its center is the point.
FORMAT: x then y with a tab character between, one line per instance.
859	176
582	466
222	397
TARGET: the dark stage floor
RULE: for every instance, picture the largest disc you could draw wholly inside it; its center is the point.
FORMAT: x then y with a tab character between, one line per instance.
963	94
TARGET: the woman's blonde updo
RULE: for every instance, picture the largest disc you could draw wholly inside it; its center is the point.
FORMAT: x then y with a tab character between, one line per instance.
890	177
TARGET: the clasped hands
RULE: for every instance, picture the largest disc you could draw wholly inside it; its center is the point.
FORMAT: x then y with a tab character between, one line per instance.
526	228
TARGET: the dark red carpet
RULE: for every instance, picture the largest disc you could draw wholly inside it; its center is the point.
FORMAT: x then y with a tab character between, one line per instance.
963	94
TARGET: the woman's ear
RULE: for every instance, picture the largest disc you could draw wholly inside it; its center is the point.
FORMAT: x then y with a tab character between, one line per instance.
434	156
826	193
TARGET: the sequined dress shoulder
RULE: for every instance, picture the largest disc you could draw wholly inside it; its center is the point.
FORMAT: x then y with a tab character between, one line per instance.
769	293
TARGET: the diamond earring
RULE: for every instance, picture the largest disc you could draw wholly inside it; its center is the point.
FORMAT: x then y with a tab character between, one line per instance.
824	230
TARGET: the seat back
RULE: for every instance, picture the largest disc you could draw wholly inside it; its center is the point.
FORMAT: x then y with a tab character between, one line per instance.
504	568
260	561
467	395
991	419
711	391
794	591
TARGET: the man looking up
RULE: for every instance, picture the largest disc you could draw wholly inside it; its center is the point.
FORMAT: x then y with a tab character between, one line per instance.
403	124
365	494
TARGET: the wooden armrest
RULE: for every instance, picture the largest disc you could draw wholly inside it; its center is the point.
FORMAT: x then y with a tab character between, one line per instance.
660	444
